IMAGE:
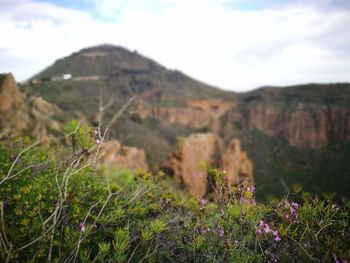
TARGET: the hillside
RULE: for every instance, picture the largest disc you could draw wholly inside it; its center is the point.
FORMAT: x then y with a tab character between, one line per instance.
159	91
292	135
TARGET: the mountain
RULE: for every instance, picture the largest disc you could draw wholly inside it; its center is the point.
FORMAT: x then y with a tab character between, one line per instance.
107	72
284	136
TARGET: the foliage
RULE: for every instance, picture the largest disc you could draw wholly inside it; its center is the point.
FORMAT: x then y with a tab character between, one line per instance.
56	207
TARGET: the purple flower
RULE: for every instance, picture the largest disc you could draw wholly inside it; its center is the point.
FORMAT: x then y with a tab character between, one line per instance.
336	259
202	231
264	227
81	227
98	141
276	236
290	210
306	245
294	205
221	232
251	189
203	202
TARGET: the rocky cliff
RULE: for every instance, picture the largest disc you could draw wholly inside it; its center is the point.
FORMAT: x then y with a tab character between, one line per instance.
311	122
194	153
10	96
11	105
188	162
308	126
236	164
22	113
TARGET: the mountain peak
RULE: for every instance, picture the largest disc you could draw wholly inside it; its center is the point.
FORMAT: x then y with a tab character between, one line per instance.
108	48
102	60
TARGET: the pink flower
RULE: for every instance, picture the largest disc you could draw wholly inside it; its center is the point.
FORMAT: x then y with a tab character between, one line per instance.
290	210
82	227
203	202
264	227
276	236
251	189
98	141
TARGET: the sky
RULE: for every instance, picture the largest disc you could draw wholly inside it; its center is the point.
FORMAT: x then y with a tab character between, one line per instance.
237	45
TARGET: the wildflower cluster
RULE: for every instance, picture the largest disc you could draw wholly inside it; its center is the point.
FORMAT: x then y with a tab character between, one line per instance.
264	228
289	211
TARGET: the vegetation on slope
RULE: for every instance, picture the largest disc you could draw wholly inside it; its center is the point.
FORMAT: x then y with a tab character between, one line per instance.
57	207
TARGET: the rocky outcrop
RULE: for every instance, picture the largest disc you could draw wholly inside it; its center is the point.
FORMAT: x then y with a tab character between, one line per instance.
194	114
10	96
188	117
187	159
308	126
236	164
11	105
114	153
20	112
215	107
186	163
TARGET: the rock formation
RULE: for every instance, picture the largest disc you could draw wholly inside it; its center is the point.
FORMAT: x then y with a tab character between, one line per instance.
10	96
188	117
236	164
187	159
114	153
11	105
198	149
20	112
308	126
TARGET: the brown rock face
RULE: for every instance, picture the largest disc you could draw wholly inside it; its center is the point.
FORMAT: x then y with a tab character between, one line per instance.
195	114
214	108
11	105
307	127
35	115
185	162
238	167
112	152
189	117
10	96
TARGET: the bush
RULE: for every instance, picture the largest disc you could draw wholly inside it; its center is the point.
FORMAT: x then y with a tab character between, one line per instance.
57	207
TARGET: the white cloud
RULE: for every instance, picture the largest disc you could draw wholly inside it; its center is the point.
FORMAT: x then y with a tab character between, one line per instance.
226	47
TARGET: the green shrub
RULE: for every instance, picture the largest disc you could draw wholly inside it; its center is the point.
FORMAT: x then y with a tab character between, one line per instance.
57	207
